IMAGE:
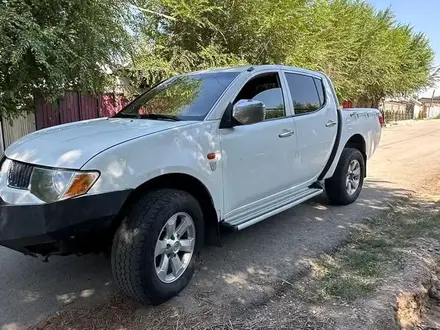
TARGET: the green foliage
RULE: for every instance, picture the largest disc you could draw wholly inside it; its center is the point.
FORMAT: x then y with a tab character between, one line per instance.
366	53
48	46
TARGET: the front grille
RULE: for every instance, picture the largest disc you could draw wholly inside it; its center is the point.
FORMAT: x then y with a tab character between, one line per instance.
19	175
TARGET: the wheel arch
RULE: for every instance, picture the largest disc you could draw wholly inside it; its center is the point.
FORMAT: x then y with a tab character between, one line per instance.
357	141
184	182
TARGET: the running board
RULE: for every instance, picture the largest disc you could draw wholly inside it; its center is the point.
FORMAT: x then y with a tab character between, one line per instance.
246	223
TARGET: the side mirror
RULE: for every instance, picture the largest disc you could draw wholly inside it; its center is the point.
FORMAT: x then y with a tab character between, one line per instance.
249	111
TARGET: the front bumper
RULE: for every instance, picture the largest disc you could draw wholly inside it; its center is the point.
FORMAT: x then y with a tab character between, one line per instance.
25	227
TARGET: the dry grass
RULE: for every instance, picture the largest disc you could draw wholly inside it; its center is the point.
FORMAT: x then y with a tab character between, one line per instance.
210	319
359	267
114	315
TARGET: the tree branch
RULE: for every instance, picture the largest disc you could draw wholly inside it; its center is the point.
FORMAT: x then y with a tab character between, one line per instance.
154	12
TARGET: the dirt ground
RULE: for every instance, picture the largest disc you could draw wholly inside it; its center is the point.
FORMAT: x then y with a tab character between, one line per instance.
365	266
386	275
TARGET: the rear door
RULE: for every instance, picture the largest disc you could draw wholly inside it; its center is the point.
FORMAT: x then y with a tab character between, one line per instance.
315	120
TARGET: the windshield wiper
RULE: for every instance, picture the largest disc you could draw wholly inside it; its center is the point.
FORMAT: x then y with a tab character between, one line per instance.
154	116
159	116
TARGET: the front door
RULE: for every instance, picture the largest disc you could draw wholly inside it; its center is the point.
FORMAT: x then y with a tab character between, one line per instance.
315	120
259	159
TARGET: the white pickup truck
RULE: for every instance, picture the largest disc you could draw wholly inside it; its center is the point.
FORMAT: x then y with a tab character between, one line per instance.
228	147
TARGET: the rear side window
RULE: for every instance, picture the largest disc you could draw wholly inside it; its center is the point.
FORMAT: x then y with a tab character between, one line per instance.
307	93
320	89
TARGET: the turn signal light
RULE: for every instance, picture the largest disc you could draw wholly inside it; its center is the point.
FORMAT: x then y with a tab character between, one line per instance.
81	184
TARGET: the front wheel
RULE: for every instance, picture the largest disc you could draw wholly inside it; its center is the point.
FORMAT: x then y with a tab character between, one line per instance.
153	253
345	185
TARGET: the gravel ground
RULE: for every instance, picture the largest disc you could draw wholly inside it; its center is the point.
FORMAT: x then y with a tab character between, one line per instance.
252	262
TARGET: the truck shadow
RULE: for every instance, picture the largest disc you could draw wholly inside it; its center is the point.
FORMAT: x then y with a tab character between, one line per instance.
240	273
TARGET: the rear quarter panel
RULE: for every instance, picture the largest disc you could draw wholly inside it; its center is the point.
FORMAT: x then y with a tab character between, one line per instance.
362	121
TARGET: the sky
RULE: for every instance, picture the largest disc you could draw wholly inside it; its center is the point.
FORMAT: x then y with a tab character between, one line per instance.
424	16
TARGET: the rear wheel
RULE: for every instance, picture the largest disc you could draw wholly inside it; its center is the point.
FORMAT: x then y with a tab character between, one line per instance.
346	183
153	254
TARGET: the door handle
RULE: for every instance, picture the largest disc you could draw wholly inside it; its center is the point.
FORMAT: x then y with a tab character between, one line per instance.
286	133
330	123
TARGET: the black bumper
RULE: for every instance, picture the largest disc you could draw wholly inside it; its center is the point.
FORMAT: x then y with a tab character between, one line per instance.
25	227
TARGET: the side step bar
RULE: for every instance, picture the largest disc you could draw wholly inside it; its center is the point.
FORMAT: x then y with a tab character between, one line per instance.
239	226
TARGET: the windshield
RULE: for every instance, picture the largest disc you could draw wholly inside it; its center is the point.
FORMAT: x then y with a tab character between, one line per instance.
188	97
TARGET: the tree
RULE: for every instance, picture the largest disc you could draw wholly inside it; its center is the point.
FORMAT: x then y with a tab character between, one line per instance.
366	52
49	46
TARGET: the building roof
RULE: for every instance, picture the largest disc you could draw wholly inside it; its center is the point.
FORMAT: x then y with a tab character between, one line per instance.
428	99
402	100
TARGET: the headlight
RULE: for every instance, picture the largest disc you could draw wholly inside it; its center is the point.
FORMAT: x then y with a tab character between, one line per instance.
51	185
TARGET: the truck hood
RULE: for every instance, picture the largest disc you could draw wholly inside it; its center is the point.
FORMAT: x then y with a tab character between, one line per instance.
72	145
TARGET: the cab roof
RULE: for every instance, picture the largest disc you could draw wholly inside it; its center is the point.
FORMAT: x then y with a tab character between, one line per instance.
256	68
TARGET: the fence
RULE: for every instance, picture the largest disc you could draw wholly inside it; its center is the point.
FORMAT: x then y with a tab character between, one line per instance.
72	107
15	129
391	116
76	106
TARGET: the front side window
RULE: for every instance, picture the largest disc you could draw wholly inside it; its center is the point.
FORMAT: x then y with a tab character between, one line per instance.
304	93
267	89
188	97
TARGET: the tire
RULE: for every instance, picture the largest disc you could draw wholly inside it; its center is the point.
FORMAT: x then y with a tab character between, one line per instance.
337	187
133	252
